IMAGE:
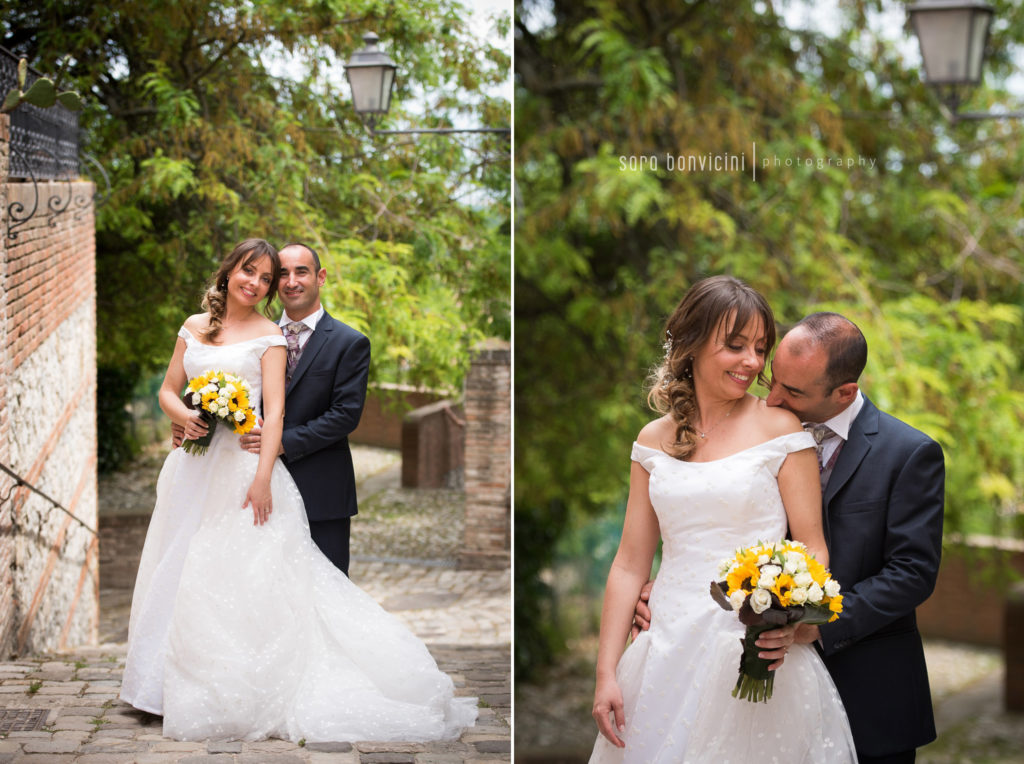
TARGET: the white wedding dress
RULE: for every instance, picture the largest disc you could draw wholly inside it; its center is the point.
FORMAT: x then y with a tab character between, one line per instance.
246	632
677	678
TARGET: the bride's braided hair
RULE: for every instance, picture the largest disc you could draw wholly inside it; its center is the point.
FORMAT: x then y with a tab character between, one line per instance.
215	297
710	303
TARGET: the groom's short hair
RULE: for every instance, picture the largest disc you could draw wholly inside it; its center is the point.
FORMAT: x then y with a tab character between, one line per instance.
844	344
316	257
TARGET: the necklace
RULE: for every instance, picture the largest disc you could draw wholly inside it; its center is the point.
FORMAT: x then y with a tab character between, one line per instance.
705	433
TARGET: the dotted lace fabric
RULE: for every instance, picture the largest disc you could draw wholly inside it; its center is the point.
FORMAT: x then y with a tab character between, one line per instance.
677	678
242	632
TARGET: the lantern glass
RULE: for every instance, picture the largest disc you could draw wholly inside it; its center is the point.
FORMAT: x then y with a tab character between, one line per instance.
371	88
952	37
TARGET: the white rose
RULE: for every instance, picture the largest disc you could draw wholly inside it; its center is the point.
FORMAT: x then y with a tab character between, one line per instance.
768	576
798	596
737	598
723	569
831	587
209	389
792	565
239	416
814	594
803	579
760	600
763	559
196	399
229	389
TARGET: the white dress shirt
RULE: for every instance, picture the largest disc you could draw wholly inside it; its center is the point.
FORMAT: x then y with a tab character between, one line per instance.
840	424
310	321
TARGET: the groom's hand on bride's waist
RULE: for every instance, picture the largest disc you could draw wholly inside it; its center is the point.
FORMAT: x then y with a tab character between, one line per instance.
177	435
251	440
642	613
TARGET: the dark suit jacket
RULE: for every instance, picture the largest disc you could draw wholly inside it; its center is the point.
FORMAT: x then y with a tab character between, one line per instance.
323	403
883	523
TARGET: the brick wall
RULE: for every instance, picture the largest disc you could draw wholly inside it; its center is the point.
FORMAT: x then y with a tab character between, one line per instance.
386	405
49	578
488	458
965	607
433	446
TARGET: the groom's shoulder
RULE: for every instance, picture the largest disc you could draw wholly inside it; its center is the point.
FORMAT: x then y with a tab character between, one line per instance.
895	429
342	332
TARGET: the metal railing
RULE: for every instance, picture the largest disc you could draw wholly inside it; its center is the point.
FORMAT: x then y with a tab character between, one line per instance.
44	142
19	481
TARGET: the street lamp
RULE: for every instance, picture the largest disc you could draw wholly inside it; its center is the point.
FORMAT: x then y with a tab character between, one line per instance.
953	35
371	75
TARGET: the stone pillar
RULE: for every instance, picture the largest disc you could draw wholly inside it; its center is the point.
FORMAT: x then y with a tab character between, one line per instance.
488	465
1013	648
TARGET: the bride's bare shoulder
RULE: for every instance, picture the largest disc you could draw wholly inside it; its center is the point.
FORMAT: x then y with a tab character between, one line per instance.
267	327
775	421
658	433
197	322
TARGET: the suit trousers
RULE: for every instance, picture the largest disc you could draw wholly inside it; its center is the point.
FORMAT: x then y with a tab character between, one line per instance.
905	757
331	536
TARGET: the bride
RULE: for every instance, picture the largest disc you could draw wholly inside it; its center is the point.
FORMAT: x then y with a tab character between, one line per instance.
240	628
718	471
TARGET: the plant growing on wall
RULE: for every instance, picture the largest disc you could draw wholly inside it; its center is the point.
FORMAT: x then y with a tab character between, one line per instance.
42	93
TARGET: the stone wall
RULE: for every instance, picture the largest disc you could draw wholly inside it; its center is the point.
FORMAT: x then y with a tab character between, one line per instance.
488	459
49	573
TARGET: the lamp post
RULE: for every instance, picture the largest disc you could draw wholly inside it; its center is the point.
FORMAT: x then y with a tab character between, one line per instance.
953	35
371	75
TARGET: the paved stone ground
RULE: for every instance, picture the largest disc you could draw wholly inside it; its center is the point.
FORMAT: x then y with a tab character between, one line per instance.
463	616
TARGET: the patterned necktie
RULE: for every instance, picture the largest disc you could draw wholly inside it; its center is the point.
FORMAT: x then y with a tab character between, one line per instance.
821	433
291	334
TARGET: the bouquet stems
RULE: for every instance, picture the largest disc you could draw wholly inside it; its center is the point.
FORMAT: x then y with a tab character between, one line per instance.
755	682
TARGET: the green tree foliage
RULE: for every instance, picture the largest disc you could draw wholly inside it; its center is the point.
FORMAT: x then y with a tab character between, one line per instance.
853	194
219	120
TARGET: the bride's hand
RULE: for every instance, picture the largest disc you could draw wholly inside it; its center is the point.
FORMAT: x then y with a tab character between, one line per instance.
195	427
608	702
258	496
775	643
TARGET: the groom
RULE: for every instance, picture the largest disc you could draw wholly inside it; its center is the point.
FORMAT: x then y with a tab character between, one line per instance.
328	365
882	515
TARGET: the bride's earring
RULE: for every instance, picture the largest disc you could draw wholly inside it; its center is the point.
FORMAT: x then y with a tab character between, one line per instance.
688	373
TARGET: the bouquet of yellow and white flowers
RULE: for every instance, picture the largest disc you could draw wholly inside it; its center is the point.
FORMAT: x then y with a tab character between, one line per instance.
218	397
770	585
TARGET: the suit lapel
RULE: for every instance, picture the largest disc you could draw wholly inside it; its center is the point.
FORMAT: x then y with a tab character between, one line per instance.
857	445
313	346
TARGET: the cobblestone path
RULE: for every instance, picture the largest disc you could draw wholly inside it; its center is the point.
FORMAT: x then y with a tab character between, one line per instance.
401	556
